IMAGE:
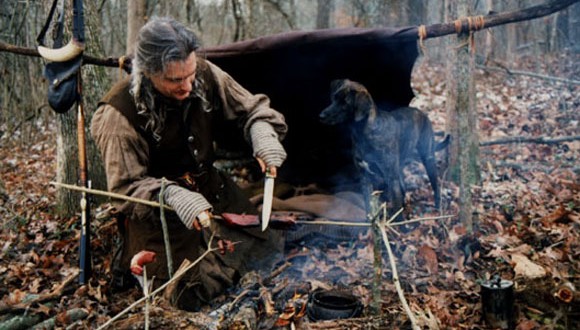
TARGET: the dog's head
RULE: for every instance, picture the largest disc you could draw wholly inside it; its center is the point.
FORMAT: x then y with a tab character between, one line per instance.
351	102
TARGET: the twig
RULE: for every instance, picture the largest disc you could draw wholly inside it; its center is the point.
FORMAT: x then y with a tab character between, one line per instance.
394	215
175	278
530	74
396	277
334	223
542	167
109	194
237	299
391	224
165	230
539	139
321	221
146	293
374	210
278	270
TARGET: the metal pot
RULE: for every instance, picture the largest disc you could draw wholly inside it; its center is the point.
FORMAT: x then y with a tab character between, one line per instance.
332	305
497	301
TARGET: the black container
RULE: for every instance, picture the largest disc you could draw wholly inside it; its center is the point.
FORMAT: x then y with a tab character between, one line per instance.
332	305
497	301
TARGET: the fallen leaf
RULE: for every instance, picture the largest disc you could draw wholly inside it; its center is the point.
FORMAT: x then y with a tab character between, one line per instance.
524	267
559	214
429	258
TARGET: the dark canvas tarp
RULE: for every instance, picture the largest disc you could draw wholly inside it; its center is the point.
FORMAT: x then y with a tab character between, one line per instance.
295	69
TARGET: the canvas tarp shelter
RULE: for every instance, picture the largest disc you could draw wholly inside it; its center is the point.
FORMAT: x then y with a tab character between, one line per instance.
295	70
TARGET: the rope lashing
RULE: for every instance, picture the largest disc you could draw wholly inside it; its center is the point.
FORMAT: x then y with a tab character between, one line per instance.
473	24
422	30
121	65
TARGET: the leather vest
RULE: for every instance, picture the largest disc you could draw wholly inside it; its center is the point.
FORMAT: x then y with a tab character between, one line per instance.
186	143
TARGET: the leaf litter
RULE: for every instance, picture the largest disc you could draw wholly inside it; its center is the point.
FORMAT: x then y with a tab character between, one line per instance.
528	212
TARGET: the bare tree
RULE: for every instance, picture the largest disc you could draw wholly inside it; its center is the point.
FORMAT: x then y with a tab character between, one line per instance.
240	17
136	10
462	117
324	9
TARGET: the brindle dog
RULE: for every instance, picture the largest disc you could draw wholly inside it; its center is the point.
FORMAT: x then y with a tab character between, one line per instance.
383	141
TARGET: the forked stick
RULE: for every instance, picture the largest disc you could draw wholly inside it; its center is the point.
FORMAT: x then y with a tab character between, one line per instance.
382	226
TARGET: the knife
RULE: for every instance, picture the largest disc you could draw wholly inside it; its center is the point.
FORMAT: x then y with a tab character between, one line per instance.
268	195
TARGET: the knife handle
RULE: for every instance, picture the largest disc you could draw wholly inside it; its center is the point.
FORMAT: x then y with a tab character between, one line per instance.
204	219
268	174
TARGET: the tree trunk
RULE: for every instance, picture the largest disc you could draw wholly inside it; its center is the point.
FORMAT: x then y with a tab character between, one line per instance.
240	17
417	12
67	165
324	9
462	118
574	27
93	80
136	10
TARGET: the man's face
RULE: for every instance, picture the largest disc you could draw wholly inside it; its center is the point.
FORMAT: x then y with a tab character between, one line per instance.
176	81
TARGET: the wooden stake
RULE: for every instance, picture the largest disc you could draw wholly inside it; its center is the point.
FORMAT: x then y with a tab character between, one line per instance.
175	278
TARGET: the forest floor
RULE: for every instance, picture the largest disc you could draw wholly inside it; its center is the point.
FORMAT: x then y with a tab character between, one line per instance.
527	231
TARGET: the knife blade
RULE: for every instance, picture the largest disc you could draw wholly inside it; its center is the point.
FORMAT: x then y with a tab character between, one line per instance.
267	202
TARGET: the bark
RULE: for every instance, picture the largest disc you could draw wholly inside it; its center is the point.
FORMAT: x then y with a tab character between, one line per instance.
20	322
463	167
136	10
417	12
67	166
324	9
542	295
550	7
238	9
70	316
289	14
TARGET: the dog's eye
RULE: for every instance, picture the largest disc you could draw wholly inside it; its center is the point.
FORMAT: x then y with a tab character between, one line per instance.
351	97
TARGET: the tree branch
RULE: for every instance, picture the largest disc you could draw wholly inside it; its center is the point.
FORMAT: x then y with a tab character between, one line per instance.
545	9
122	62
539	139
529	74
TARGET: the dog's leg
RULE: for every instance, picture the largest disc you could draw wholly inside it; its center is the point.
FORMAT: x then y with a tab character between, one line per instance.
391	172
427	154
431	168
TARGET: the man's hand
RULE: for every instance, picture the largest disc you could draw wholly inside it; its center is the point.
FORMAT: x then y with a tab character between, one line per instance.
266	146
203	220
191	207
224	246
273	169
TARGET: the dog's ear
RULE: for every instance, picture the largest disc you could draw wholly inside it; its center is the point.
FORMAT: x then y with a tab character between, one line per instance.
363	105
336	84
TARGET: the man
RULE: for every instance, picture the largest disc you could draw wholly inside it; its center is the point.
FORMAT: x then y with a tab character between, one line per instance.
156	130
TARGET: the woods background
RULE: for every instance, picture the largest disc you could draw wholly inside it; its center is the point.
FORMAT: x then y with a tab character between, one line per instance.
527	210
110	24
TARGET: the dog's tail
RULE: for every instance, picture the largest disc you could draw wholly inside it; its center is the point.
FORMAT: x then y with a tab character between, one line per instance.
443	144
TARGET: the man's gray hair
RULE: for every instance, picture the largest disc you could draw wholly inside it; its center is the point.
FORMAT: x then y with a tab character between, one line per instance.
161	41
